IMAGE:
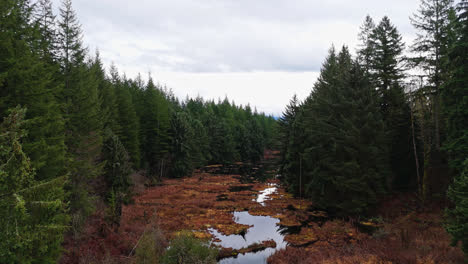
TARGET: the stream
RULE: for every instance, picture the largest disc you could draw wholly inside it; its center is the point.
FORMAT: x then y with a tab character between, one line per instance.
264	228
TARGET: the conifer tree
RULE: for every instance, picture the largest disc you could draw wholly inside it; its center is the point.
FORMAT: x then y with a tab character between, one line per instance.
285	129
182	134
345	157
366	47
155	125
126	118
386	73
117	173
47	30
457	217
432	21
455	94
82	111
27	80
32	213
107	95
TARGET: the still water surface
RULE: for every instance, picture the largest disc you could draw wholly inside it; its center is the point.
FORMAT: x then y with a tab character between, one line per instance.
264	228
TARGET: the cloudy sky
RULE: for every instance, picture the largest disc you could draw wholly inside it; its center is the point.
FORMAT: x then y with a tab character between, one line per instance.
257	51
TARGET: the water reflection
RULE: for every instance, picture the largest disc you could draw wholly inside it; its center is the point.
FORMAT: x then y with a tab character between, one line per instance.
265	193
264	228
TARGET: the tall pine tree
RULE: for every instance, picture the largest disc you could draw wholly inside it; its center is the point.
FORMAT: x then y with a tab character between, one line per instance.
82	112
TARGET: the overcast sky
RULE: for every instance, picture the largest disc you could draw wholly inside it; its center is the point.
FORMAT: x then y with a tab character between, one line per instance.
253	51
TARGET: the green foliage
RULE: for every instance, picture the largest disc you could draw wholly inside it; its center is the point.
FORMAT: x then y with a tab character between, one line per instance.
155	128
32	213
455	102
150	247
384	48
455	94
186	249
27	80
117	170
181	153
82	112
344	160
457	217
127	121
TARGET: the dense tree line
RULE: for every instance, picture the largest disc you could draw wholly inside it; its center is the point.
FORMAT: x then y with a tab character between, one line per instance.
72	132
371	126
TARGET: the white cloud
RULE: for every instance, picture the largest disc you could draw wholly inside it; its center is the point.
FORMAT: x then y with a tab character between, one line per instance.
221	47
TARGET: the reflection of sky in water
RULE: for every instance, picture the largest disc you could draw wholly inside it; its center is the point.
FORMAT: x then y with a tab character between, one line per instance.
265	193
264	228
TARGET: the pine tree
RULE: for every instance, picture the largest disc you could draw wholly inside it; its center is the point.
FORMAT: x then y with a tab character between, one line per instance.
386	63
182	134
82	111
455	94
366	47
47	37
285	129
117	174
126	118
155	125
432	21
26	80
457	217
107	95
32	213
344	160
387	75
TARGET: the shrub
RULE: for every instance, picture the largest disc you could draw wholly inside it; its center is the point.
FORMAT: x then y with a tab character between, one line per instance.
185	248
151	247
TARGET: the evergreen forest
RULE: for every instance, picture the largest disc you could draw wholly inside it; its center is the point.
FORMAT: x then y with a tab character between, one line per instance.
387	119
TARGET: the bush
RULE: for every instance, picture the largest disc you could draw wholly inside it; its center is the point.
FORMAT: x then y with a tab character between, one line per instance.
151	247
185	248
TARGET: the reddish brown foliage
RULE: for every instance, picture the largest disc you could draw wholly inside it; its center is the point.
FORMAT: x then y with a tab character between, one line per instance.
409	236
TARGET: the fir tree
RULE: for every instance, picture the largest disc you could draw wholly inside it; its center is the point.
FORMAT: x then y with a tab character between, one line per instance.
82	110
48	39
457	217
346	153
27	80
386	73
455	94
155	125
32	213
128	121
366	48
432	21
117	174
182	134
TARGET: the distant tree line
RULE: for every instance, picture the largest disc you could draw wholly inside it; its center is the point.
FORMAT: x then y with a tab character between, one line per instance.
72	132
386	120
